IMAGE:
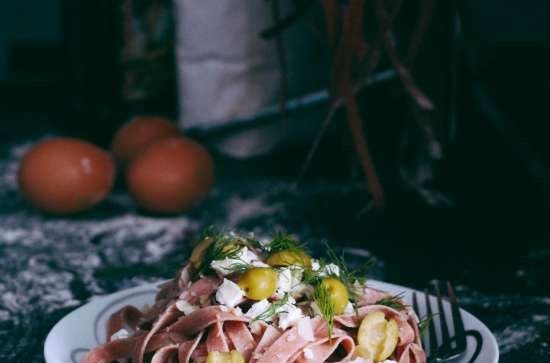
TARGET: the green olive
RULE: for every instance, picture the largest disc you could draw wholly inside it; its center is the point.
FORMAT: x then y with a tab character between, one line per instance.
289	258
259	282
338	294
224	357
198	252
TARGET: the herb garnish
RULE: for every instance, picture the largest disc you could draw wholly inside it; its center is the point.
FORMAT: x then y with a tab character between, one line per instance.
424	323
272	309
393	301
352	278
219	249
285	242
321	296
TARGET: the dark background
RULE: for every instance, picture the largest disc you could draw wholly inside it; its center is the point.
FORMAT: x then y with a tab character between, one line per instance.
60	74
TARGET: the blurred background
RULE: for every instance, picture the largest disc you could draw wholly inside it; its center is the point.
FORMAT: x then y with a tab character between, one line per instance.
446	127
84	68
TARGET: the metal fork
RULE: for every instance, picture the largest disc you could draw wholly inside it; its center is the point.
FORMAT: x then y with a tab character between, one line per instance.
453	344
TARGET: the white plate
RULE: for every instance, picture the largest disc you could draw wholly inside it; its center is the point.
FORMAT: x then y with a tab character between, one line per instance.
83	328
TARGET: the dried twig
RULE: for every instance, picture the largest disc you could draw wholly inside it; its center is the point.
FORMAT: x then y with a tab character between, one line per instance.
384	27
420	30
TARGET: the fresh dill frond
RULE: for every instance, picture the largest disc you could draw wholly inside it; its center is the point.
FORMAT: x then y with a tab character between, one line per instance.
284	242
321	296
349	276
393	301
352	278
239	266
220	249
272	310
209	231
424	324
254	243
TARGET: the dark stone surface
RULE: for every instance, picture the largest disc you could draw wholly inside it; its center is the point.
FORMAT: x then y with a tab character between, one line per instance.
49	266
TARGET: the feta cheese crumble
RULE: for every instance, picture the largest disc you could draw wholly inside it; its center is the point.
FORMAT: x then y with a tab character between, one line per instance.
289	315
121	334
308	354
229	294
330	269
257	309
225	266
349	309
185	307
315	265
305	330
185	277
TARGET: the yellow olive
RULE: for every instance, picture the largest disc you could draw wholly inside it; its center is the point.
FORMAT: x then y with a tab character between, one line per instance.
225	357
377	337
288	258
259	282
198	252
338	294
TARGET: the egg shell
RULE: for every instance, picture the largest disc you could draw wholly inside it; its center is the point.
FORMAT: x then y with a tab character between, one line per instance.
136	134
65	175
170	175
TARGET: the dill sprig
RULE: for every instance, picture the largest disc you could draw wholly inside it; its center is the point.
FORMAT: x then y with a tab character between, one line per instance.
220	249
272	309
283	242
393	301
350	277
424	323
321	296
347	275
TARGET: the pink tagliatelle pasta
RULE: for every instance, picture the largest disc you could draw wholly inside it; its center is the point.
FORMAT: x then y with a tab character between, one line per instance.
241	300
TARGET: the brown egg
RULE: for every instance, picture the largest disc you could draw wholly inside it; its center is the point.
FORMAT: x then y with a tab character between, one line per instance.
136	134
170	175
64	175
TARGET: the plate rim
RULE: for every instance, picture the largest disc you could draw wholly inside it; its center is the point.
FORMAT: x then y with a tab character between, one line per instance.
109	299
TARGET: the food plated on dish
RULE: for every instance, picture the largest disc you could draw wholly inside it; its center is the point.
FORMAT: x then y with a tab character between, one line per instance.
239	300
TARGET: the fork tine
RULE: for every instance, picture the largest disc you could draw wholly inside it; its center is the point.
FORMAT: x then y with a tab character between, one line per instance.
442	317
415	305
460	334
431	327
417	311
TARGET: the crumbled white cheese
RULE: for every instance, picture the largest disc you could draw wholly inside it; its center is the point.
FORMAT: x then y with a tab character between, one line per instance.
315	265
308	354
284	280
248	256
289	315
121	334
358	360
330	269
265	243
185	307
389	361
305	329
229	293
259	264
257	309
185	276
225	266
349	309
237	311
